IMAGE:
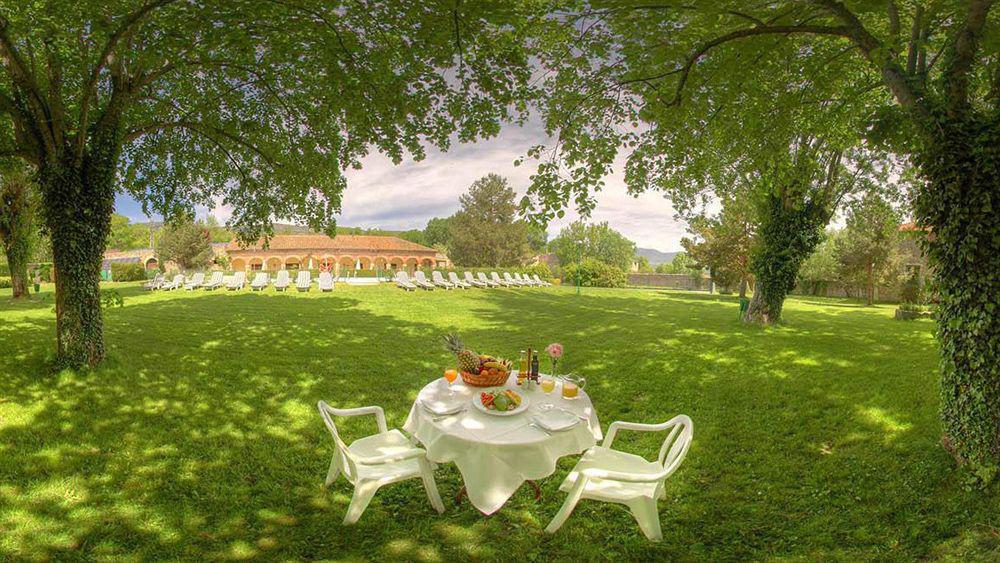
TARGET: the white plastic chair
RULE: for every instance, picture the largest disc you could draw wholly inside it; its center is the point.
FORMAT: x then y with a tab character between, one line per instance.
259	282
420	280
237	282
499	282
282	281
473	281
403	281
197	281
539	281
154	283
303	281
486	281
610	475
176	283
525	280
325	281
453	278
439	280
214	282
371	462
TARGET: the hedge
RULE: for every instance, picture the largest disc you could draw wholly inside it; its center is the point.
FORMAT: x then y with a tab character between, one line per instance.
594	273
127	271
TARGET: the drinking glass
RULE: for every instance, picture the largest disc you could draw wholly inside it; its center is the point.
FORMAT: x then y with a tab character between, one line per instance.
450	375
548	384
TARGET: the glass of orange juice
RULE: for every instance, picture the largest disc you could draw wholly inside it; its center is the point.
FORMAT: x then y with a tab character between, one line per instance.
548	384
450	375
571	386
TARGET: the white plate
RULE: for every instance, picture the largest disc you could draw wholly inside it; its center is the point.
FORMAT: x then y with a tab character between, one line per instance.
556	420
478	402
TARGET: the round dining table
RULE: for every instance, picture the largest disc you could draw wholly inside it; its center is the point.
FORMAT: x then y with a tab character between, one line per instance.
497	454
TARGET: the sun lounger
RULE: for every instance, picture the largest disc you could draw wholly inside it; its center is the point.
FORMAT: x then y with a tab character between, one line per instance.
214	282
439	281
196	281
239	280
473	282
540	282
421	280
510	280
325	281
155	283
489	283
496	279
303	281
453	278
403	281
177	282
282	280
526	279
259	282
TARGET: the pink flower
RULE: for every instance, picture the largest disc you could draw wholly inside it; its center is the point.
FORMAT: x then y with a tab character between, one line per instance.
554	350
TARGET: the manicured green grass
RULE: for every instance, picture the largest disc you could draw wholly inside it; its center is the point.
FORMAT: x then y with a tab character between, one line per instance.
199	438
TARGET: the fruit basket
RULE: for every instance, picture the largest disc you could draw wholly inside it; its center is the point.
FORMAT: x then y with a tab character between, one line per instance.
478	370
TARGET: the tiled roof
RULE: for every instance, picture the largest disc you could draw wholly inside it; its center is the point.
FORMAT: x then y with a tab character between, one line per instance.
913	227
340	242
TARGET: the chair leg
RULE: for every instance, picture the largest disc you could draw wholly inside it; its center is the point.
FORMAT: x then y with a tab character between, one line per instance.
567	508
363	493
648	517
427	476
333	473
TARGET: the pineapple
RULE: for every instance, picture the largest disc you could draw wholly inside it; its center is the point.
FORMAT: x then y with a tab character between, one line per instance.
468	361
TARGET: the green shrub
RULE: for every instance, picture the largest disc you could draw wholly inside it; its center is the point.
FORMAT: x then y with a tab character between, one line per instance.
126	272
594	273
5	282
4	269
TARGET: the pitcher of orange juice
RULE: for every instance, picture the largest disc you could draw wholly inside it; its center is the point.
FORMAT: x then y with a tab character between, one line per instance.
571	386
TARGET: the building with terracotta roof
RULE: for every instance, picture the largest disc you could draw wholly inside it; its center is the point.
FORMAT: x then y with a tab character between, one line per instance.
337	254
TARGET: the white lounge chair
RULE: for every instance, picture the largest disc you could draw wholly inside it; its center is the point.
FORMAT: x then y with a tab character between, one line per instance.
510	280
303	281
496	279
539	281
260	281
371	462
195	282
489	283
155	283
439	280
469	279
403	281
282	280
237	282
453	278
325	281
175	283
215	281
523	280
421	280
611	475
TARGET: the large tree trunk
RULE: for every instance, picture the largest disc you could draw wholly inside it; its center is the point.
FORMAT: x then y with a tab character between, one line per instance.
870	290
960	203
788	234
16	224
79	200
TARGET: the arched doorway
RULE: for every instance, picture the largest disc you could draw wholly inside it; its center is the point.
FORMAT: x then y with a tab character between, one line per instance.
292	263
427	263
411	265
327	264
238	264
152	264
256	264
273	264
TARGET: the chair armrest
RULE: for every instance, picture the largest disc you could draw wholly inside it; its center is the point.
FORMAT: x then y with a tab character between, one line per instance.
639	427
388	458
595	473
360	411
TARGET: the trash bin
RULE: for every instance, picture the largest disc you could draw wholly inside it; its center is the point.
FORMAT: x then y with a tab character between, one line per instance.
744	305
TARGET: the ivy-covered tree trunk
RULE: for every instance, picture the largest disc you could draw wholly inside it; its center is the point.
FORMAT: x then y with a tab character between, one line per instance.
961	204
16	223
788	234
79	201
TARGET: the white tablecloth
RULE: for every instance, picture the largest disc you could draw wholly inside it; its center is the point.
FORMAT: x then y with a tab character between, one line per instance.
496	454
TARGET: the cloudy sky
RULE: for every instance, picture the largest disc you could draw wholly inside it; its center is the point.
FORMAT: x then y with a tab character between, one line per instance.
406	196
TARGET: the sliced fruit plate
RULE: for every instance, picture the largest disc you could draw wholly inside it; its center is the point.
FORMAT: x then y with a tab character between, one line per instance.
500	402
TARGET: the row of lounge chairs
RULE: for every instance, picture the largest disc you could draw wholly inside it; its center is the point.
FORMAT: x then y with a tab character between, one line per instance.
237	281
420	281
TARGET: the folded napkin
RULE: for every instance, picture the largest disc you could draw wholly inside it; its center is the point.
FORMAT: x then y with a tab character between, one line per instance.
556	420
443	405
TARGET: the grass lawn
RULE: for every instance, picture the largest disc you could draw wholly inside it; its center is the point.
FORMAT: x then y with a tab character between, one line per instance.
199	437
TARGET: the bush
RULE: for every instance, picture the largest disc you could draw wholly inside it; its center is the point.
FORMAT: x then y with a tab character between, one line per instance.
594	273
126	272
4	269
5	283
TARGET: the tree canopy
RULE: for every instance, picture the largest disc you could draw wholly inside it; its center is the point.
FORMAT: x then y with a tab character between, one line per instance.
186	243
486	231
599	241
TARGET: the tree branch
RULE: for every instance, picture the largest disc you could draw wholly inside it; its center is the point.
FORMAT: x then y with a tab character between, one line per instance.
202	129
956	75
685	69
914	45
90	89
22	78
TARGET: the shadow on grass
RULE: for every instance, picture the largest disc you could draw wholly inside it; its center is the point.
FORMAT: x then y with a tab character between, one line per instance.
199	437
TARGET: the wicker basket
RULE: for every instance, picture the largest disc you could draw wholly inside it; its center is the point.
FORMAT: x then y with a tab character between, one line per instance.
476	380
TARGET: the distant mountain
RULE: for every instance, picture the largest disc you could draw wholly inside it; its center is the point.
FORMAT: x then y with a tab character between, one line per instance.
656	257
